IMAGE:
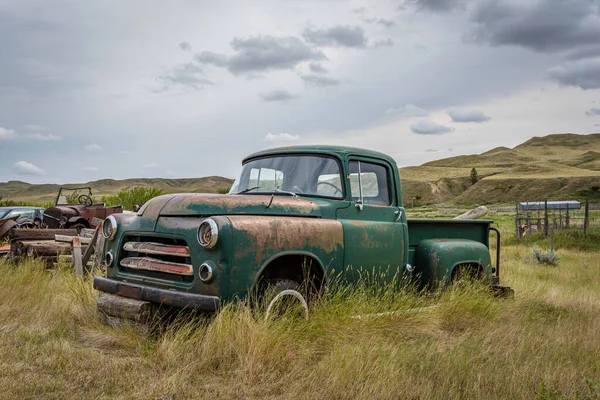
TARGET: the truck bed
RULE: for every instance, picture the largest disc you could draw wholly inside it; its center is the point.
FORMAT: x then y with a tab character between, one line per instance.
420	229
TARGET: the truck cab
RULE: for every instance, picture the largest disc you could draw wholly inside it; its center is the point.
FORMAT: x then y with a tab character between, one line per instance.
294	214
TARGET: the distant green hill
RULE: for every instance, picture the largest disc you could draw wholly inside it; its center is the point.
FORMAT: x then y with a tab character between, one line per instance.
560	166
26	192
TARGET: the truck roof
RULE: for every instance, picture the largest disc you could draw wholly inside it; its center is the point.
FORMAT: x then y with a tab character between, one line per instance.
340	151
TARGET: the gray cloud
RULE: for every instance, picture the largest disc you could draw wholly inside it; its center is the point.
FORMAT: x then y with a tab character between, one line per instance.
317	68
409	110
593	112
7	133
383	43
388	23
92	148
185	46
281	137
278	95
583	73
320	81
435	5
468	116
262	53
545	25
426	126
27	168
585	52
337	36
189	75
32	132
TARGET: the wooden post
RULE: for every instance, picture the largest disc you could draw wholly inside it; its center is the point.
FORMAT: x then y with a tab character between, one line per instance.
90	250
560	216
528	225
586	218
552	236
517	227
77	261
99	245
568	218
546	218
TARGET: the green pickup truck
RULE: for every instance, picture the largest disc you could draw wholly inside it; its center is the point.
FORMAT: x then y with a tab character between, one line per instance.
294	214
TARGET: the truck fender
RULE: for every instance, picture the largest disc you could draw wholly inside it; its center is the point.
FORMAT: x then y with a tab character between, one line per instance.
316	265
78	220
436	259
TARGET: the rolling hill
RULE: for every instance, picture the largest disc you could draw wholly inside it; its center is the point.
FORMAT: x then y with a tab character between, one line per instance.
26	192
560	166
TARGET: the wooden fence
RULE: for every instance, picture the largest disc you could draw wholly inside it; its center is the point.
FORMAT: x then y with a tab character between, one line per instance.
527	222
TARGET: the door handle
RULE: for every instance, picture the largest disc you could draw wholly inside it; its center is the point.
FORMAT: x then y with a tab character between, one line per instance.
398	215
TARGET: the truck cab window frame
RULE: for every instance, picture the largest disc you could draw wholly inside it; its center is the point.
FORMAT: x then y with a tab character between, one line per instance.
369	183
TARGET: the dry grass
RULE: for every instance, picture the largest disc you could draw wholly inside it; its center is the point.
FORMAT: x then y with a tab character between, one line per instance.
542	344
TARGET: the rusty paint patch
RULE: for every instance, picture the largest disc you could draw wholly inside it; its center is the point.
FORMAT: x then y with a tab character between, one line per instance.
157	248
5	226
268	235
215	204
151	264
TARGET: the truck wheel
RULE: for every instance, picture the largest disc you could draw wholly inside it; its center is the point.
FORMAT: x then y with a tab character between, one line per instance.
79	226
283	296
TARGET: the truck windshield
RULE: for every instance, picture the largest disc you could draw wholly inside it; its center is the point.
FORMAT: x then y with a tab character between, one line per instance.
301	175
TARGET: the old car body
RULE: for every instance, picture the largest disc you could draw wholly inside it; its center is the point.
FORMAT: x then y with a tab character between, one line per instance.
294	213
23	216
64	215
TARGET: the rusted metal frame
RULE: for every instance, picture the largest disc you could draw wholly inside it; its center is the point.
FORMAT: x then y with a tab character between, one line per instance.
152	264
157	296
5	226
157	249
491	228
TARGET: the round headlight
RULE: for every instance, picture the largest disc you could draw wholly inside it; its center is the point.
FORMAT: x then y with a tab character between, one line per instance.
108	259
208	233
205	273
109	227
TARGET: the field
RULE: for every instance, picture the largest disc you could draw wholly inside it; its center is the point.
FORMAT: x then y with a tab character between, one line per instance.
462	343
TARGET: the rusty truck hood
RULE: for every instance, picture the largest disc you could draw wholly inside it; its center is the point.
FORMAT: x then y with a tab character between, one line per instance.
201	204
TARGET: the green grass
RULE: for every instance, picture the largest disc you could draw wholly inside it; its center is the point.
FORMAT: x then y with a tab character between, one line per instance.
463	343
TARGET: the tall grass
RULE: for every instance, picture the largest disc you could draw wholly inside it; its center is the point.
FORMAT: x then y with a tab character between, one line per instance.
461	343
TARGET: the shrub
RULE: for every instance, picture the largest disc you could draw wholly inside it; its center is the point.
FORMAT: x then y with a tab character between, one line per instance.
548	257
474	176
130	197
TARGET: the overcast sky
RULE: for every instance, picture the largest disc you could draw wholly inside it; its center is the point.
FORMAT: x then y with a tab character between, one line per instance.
120	89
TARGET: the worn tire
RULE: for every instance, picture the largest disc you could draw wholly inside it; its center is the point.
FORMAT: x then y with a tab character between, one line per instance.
79	226
283	296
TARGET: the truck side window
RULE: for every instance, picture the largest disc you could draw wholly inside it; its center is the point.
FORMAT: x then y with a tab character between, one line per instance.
375	183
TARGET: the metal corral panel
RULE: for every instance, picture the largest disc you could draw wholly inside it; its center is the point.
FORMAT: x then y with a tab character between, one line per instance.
552	205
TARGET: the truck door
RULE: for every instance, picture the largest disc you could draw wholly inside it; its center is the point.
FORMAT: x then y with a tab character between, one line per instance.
374	223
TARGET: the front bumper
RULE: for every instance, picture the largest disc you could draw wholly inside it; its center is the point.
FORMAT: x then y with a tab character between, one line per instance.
157	296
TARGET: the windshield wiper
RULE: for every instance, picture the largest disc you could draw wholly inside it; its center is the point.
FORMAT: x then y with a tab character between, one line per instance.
247	190
285	192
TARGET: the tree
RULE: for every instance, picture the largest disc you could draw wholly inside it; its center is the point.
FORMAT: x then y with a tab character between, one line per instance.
474	176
